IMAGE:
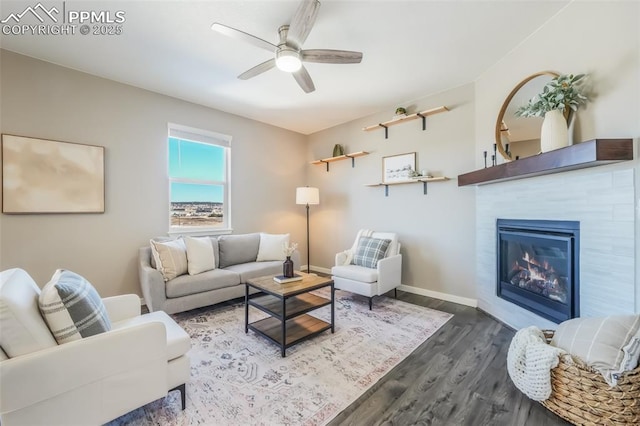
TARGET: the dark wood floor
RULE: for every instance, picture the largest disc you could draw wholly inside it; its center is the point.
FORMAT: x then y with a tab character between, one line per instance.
457	377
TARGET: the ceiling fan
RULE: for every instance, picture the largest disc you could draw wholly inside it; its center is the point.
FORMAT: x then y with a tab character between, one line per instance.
289	54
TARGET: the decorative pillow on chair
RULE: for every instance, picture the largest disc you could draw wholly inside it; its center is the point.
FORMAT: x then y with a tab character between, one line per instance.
22	329
170	257
200	256
272	247
72	308
370	251
611	345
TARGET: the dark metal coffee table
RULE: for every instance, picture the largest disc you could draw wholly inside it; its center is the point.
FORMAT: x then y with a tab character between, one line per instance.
287	306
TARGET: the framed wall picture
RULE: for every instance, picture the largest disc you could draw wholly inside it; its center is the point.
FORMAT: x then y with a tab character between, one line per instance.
398	168
45	176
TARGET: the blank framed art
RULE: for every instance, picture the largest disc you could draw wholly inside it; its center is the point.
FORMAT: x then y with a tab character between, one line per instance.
45	176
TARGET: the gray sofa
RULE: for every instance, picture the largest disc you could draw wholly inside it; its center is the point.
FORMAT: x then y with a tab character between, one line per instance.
235	259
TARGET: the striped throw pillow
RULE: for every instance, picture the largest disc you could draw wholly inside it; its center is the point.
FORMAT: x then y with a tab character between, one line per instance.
611	345
370	251
170	258
72	308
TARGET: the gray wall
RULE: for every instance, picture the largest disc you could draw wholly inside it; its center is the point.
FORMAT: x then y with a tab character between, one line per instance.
43	100
436	230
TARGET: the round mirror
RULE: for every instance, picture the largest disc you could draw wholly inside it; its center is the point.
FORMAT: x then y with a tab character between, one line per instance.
519	137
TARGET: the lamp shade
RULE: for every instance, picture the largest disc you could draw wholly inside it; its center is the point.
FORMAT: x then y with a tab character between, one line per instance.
307	195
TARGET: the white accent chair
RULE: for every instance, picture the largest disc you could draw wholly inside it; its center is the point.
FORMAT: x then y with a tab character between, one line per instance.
367	281
88	381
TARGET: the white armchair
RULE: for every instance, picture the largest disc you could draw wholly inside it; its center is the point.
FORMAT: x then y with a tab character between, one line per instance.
365	281
88	381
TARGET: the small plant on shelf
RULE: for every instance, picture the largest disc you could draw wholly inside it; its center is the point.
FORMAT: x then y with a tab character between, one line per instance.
561	93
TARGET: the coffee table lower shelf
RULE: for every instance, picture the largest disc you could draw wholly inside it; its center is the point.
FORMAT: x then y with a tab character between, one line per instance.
297	329
288	306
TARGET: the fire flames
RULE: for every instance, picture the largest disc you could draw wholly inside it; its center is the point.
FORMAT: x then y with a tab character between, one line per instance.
538	277
537	271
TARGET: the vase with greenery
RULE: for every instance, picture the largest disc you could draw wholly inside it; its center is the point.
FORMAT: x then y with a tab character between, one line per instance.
559	99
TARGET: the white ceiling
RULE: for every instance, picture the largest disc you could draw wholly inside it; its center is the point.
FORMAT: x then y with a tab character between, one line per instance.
411	49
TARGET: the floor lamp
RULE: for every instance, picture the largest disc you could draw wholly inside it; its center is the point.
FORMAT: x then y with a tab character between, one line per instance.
307	196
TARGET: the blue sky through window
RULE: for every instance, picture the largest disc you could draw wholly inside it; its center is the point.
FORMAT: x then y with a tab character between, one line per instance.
197	161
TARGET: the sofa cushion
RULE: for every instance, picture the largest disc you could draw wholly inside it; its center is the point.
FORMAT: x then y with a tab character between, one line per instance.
178	341
370	251
22	329
356	273
185	285
272	247
199	255
256	269
170	258
611	345
72	308
216	250
235	249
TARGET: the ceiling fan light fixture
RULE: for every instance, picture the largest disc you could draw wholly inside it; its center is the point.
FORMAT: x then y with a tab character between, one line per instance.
289	54
288	60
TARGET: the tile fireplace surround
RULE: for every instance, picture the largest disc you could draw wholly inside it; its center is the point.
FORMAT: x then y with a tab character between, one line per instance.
602	200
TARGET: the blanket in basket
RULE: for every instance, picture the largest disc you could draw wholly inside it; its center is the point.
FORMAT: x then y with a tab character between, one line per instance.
529	362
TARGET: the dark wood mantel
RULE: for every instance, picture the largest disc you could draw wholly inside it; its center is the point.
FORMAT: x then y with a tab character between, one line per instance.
591	153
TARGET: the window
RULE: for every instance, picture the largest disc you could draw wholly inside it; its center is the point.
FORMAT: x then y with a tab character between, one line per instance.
198	180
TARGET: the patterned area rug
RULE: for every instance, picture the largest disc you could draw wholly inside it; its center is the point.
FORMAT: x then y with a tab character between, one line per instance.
241	379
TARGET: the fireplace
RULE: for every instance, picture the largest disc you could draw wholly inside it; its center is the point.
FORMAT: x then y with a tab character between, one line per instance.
538	266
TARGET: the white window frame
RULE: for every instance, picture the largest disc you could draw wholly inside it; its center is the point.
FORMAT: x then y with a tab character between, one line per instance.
193	134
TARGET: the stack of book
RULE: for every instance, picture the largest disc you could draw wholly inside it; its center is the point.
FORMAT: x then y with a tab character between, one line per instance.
282	279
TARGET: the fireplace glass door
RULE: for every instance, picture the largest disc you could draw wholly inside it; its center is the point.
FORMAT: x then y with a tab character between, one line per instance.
536	271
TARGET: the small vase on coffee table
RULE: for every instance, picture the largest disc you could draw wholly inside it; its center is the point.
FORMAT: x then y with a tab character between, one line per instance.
287	268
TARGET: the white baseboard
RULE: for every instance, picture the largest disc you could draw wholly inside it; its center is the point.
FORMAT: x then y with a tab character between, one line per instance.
442	296
317	269
415	290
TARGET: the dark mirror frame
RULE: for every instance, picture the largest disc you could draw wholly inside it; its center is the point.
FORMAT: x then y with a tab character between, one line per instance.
505	105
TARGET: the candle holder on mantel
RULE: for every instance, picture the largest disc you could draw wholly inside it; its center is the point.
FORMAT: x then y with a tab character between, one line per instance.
508	152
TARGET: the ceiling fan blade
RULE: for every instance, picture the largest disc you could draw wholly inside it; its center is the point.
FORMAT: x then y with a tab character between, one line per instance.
258	69
303	21
328	56
241	35
304	80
